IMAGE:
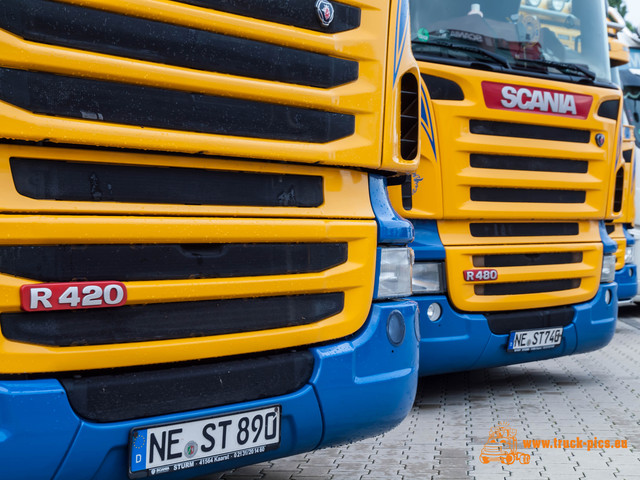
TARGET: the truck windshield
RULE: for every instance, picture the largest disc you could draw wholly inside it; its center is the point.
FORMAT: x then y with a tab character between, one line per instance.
558	37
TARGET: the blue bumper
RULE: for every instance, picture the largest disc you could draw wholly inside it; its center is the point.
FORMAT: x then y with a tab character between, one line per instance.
627	280
460	341
360	387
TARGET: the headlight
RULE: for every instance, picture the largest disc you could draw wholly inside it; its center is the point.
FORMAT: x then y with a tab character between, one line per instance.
428	278
394	279
628	254
557	5
533	3
608	269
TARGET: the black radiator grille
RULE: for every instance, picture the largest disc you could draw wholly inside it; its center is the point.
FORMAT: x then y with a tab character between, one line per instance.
288	12
521	130
125	395
143	262
526	195
523	229
527	259
504	323
166	321
99	31
111	102
533	164
523	288
95	182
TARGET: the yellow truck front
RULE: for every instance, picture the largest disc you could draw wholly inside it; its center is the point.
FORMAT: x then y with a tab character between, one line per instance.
520	140
199	264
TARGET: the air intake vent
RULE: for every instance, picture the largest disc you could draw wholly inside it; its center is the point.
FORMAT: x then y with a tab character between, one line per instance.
442	88
523	229
526	259
409	117
531	164
619	192
127	104
287	12
521	130
523	288
504	323
113	34
609	109
123	395
627	155
102	182
526	195
166	321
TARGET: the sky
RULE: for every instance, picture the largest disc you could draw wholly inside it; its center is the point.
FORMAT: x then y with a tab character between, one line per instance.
633	11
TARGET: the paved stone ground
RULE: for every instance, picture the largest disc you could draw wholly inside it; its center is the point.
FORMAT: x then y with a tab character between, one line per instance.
591	396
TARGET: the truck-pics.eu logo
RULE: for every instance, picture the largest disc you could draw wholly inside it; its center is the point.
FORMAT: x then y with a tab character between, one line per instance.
503	446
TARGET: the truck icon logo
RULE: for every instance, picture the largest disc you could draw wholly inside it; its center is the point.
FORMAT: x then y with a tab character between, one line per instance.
325	12
503	446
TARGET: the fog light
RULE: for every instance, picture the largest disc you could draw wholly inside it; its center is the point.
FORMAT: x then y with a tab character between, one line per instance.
395	328
607	297
608	269
416	324
434	311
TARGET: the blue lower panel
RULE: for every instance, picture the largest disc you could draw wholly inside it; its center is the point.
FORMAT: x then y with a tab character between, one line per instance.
627	280
460	341
359	388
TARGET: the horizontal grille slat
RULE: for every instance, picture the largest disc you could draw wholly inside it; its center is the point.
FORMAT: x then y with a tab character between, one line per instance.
140	262
288	12
100	182
113	34
94	100
533	164
520	130
504	323
526	195
523	288
523	229
165	321
125	395
527	259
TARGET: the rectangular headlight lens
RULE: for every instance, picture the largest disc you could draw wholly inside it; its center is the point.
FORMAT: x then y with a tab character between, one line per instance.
608	269
394	279
628	254
428	278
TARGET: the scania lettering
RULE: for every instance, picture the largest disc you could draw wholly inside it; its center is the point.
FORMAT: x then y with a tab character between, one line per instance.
520	130
200	265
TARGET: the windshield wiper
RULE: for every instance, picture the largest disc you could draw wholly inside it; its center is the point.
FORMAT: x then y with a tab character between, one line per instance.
563	67
464	48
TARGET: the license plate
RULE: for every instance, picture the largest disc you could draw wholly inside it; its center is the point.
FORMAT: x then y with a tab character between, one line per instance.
180	446
527	340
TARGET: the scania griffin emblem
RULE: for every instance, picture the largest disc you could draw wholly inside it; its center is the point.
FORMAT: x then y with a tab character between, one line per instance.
600	139
325	12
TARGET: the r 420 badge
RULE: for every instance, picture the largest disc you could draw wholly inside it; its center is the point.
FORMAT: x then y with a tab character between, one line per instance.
72	295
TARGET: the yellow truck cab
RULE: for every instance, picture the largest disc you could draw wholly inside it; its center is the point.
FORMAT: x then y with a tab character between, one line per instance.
520	143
